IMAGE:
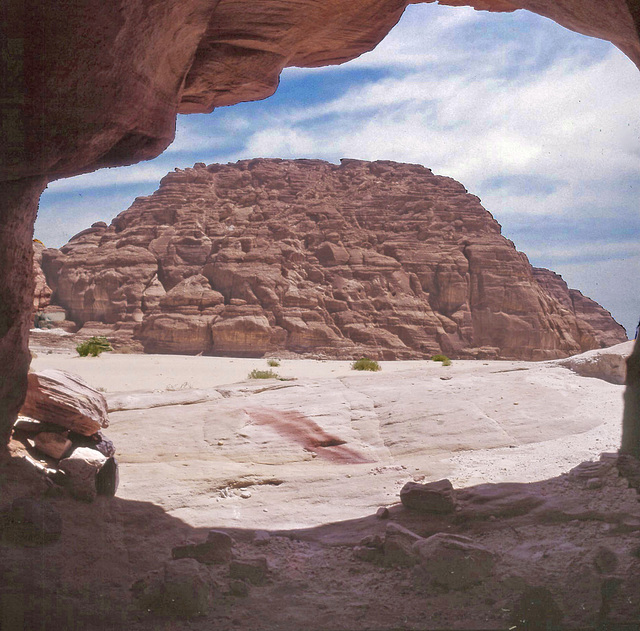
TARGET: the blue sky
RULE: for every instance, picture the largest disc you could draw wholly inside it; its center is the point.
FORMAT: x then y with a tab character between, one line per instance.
541	123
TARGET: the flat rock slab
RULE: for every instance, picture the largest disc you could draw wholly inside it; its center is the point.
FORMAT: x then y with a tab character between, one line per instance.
609	364
66	400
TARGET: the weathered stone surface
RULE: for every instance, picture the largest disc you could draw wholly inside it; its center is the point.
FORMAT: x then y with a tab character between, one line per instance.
186	592
96	441
108	478
52	444
66	400
398	546
453	561
605	560
82	467
261	538
29	425
536	608
253	570
508	499
433	497
239	588
31	522
363	258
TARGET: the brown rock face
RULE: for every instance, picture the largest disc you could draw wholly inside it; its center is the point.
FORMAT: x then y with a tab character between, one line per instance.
594	322
375	258
57	397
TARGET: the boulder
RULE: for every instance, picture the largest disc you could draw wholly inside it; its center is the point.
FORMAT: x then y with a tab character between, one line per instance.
52	444
398	546
453	561
433	497
96	441
81	469
66	400
108	478
253	570
186	592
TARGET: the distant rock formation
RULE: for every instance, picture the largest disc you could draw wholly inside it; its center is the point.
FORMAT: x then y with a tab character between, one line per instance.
375	258
42	293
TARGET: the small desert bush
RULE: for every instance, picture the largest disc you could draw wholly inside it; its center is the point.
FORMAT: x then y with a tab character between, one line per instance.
263	374
364	363
94	346
442	358
273	362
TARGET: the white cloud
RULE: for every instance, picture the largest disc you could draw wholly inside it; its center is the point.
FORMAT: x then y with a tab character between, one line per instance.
573	122
612	250
111	178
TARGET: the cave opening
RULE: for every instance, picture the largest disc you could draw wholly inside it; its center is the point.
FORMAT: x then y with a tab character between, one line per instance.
321	569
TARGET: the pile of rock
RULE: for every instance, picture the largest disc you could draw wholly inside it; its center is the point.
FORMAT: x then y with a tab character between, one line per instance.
449	560
61	422
185	585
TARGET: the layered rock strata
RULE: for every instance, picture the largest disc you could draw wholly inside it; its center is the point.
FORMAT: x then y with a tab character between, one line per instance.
375	258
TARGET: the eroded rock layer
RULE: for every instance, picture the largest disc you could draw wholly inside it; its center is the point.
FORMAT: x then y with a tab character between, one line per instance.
375	258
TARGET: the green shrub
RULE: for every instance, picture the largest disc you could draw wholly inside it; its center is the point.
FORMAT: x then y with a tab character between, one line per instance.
273	362
263	374
94	346
364	363
442	358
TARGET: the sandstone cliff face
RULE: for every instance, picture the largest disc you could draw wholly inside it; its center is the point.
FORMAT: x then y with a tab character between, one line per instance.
375	258
42	293
594	322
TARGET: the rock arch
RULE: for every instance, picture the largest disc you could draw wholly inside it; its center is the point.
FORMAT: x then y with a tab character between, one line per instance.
89	84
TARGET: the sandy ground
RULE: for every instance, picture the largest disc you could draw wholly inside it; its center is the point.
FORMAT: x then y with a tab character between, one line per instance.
197	437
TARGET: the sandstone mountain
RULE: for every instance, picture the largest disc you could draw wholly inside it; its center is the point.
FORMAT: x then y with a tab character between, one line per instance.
270	255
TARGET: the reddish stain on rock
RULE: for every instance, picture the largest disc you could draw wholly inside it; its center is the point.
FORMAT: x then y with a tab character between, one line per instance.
301	429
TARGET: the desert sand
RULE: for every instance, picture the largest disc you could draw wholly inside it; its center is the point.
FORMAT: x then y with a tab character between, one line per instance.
308	461
190	430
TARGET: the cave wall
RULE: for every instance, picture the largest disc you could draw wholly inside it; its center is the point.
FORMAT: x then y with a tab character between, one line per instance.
88	84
